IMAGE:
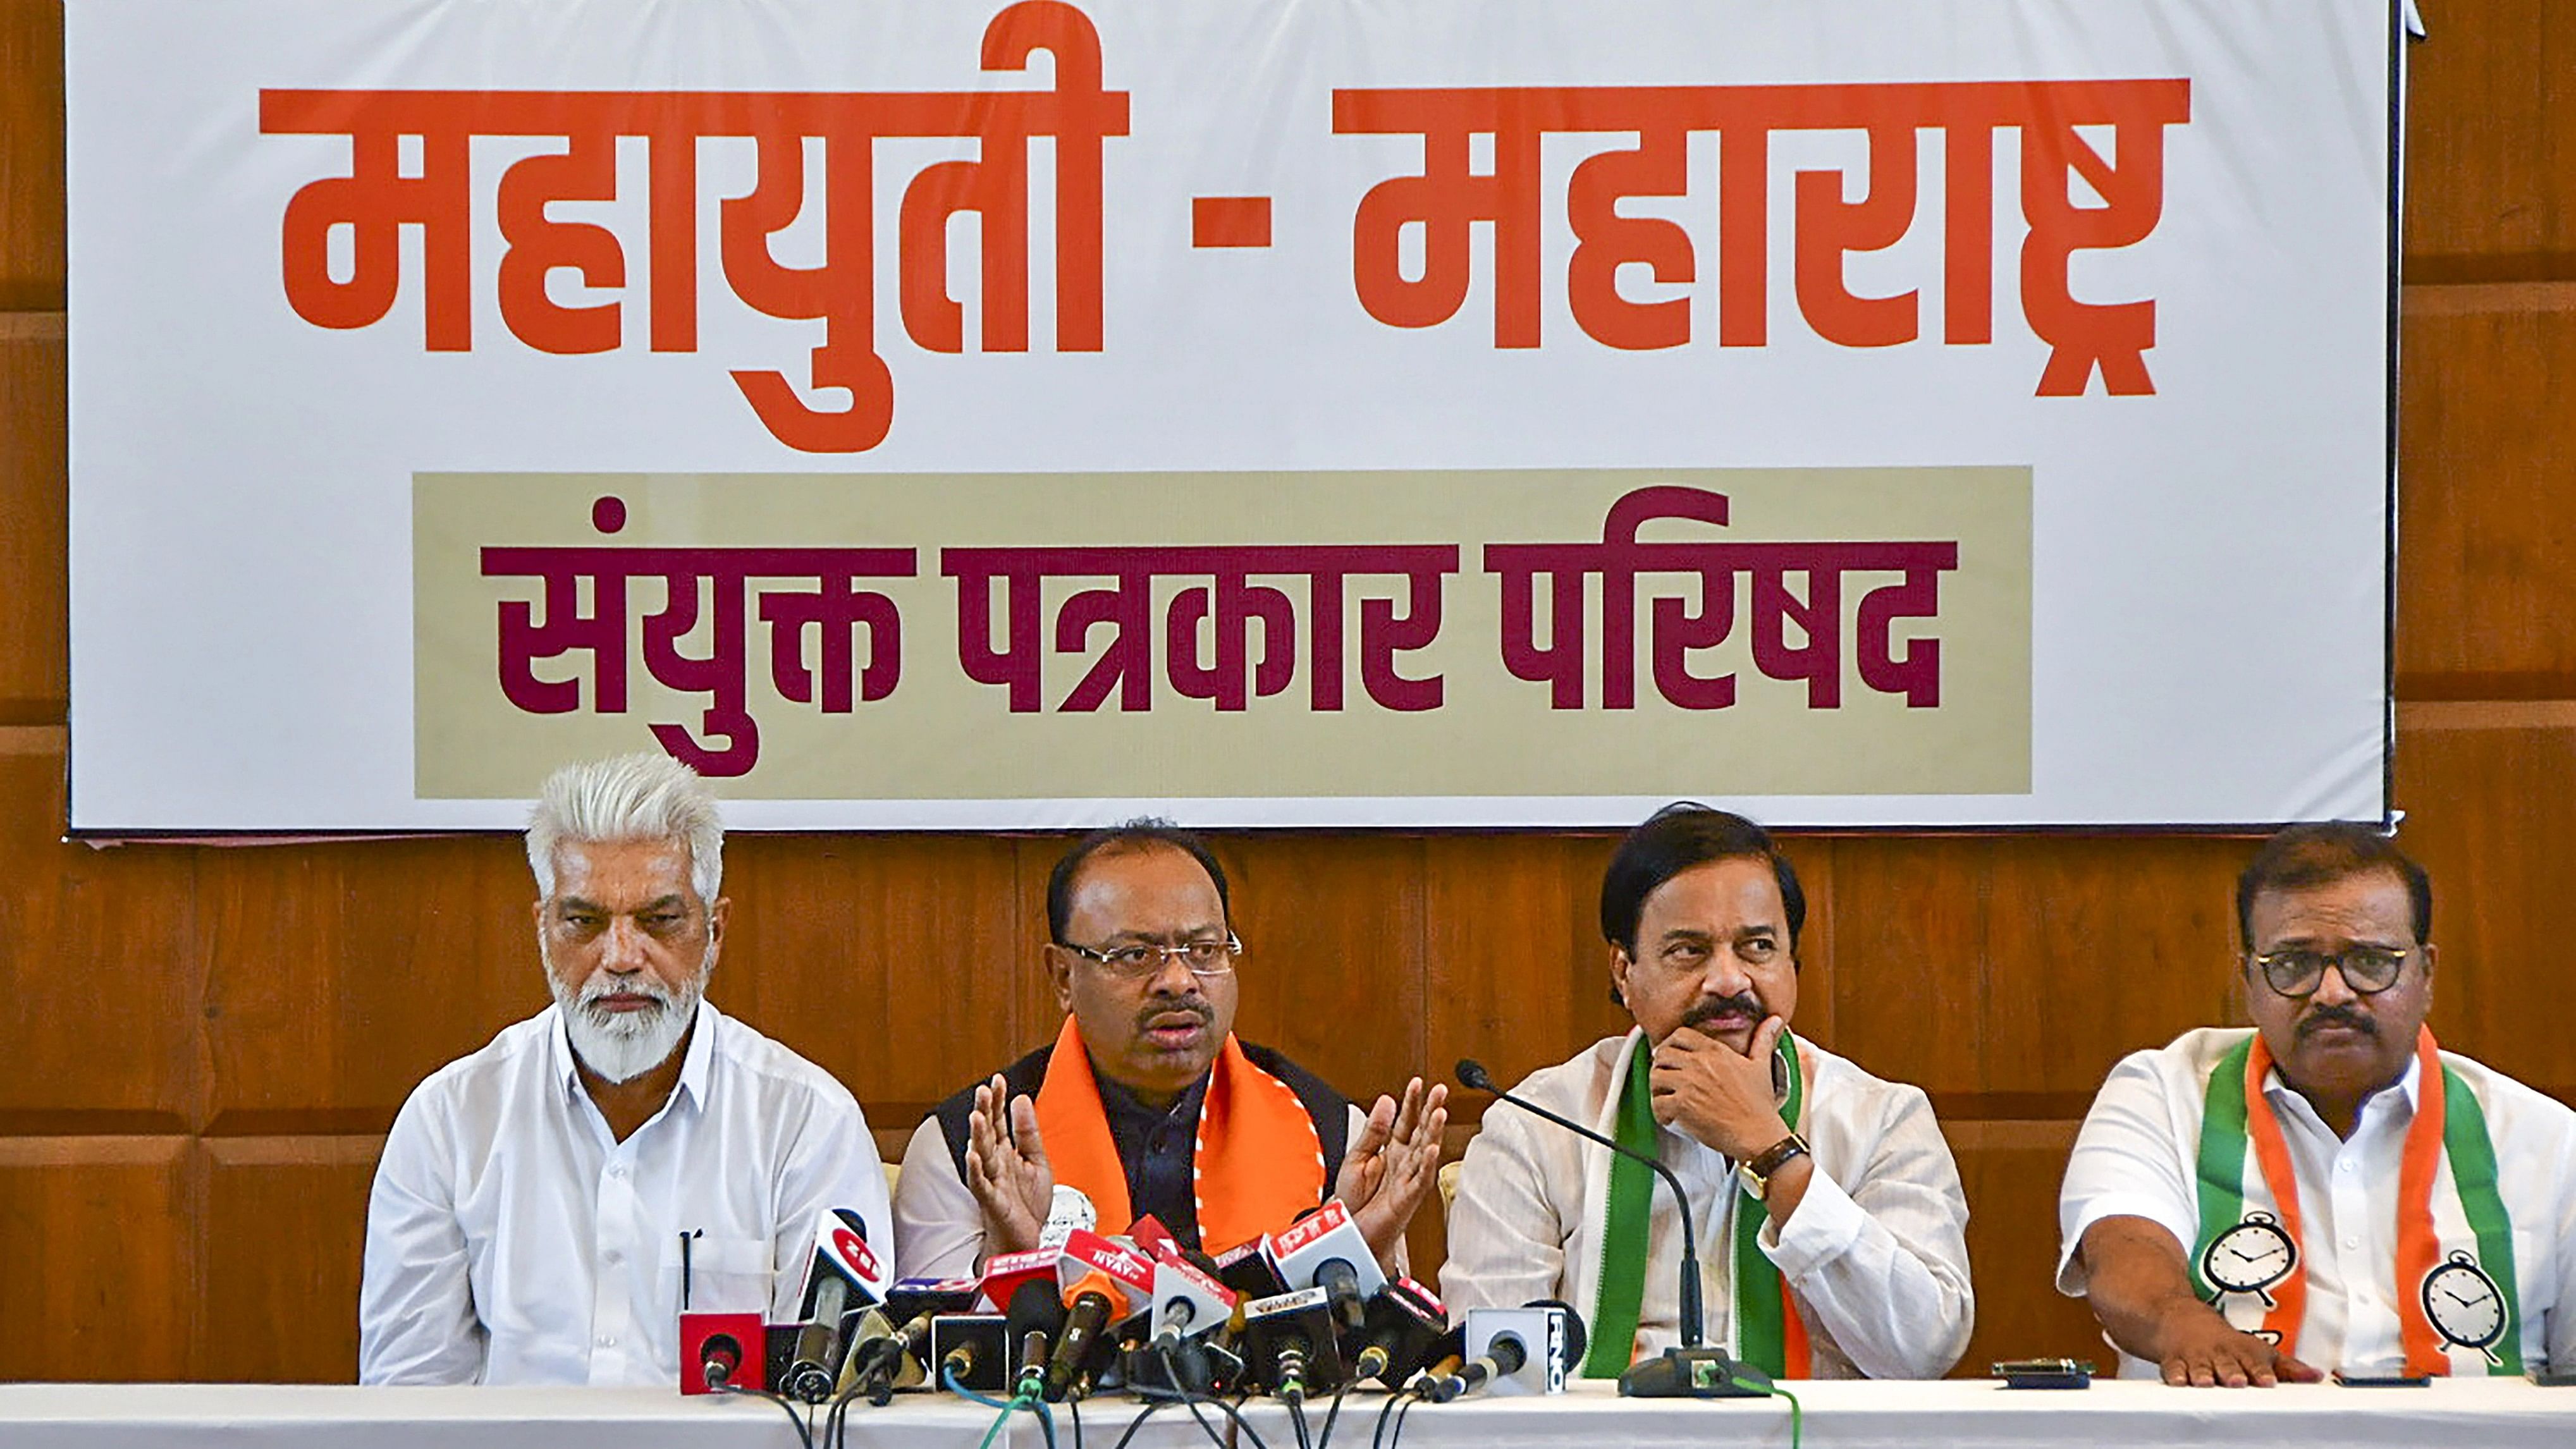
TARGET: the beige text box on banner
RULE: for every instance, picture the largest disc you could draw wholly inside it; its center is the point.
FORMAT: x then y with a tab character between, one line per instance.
1912	555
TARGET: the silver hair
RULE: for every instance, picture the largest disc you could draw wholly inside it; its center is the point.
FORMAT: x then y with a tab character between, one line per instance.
646	796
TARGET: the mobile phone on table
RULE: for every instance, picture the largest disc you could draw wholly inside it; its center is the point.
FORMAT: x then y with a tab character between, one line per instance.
2382	1381
2044	1373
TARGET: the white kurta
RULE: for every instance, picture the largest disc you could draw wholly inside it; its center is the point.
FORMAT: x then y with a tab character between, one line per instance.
2138	1154
512	1239
1875	1256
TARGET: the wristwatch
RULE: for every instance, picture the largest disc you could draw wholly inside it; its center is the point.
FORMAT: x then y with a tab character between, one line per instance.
1757	1171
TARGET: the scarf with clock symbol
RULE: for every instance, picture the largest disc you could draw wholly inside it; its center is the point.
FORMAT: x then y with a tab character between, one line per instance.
1768	1331
2446	1148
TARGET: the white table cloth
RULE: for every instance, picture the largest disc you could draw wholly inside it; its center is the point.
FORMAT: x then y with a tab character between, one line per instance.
2485	1413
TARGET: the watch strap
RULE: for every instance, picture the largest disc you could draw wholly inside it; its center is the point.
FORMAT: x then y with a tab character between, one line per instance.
1757	1170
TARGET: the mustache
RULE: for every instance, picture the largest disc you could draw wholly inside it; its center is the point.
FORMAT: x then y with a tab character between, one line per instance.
1184	1006
600	987
2344	1016
1710	1008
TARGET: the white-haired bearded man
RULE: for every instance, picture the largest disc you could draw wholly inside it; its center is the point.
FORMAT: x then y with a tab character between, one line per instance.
543	1204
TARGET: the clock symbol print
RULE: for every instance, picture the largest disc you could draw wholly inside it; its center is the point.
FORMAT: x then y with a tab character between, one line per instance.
2464	1305
2252	1256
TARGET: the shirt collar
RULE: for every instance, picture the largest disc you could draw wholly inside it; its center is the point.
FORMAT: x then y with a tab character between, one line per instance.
1117	1101
2409	1083
697	1064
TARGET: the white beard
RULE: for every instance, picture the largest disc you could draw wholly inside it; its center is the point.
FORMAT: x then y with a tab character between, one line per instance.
623	1045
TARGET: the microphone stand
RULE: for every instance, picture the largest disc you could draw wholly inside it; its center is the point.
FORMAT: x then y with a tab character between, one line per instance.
1690	1371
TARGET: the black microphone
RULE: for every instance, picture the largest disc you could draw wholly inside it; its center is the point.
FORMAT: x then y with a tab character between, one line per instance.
1294	1352
1501	1359
1404	1320
873	1359
1089	1304
1036	1318
1473	1076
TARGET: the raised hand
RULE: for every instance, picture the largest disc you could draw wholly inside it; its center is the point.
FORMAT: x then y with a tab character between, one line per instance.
1393	1164
1006	1168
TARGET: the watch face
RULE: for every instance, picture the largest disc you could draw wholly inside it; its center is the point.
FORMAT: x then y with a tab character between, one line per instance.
2251	1256
2463	1303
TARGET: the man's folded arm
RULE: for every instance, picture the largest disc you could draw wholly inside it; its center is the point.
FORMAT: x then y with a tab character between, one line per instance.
1884	1265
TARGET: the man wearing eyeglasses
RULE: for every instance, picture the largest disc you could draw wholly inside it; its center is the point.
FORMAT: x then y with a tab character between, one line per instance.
2330	1190
1146	1103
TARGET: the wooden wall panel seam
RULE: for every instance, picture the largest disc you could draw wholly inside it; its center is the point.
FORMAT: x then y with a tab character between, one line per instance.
2458	299
33	326
2415	716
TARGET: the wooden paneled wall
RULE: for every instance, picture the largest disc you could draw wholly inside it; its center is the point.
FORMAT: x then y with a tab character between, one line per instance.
199	1048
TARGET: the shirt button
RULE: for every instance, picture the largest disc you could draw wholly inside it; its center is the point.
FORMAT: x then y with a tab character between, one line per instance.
2344	1166
2352	1242
613	1257
608	1340
617	1169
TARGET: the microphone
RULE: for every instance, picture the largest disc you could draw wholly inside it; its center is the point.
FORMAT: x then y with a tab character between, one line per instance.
1188	1308
875	1350
1187	1302
843	1275
1440	1361
1036	1316
971	1349
1473	1076
1524	1350
1246	1269
1101	1283
913	1305
1089	1305
1404	1320
1327	1250
720	1352
1504	1356
1690	1370
1293	1350
1004	1274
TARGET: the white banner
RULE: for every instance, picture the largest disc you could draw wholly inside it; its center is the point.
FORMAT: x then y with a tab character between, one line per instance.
1861	413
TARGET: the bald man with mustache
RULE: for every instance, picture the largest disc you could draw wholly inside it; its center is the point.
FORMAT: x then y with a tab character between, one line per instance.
1146	1103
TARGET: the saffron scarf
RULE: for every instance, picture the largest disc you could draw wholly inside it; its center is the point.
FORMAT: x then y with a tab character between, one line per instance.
1256	1161
1768	1331
2458	1309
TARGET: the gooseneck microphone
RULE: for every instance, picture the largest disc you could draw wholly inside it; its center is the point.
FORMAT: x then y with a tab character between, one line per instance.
1473	1076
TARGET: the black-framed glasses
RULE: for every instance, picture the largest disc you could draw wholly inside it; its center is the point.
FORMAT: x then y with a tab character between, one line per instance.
1144	959
2368	970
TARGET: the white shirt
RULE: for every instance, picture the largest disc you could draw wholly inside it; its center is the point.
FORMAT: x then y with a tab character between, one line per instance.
512	1239
2137	1157
1876	1253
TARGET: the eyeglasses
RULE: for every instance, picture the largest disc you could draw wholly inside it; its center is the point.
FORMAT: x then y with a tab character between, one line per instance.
1145	959
2368	970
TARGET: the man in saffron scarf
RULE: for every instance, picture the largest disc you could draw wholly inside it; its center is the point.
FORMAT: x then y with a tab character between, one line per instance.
1146	1103
1831	1223
2329	1190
